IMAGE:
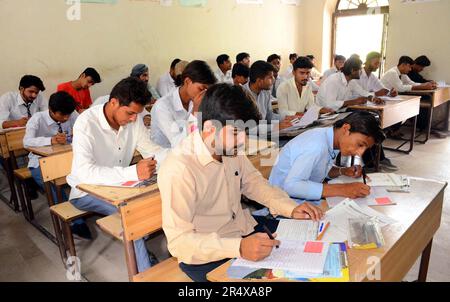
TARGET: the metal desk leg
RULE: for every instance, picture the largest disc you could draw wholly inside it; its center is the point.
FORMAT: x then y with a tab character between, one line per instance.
428	130
424	262
411	140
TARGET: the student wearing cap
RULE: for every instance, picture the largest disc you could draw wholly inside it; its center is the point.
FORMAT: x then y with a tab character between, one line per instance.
141	72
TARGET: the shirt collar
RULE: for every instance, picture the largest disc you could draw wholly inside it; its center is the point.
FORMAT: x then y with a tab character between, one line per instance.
20	100
177	103
397	71
48	119
102	118
201	150
343	79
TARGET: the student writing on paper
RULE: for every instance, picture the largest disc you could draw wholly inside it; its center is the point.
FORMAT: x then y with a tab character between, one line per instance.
369	81
397	77
295	95
240	74
307	161
419	65
172	114
223	72
17	107
339	90
79	88
104	140
201	183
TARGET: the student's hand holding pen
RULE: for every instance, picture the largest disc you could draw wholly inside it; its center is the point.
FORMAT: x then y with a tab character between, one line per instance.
146	168
257	247
307	211
59	139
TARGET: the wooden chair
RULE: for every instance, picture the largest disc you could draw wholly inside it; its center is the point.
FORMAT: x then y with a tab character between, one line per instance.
54	170
140	218
14	141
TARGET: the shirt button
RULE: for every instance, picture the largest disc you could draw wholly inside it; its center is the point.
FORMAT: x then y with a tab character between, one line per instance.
233	216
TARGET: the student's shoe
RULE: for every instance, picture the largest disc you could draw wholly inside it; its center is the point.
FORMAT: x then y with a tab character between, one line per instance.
439	134
386	164
81	231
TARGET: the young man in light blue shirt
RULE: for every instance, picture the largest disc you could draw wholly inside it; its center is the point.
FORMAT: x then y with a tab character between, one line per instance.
307	161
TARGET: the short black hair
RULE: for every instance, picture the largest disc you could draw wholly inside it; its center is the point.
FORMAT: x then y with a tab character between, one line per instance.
303	62
225	102
405	60
311	57
423	61
339	58
273	57
174	62
353	63
365	123
260	69
241	56
62	102
222	59
293	56
240	69
199	72
30	80
91	72
130	90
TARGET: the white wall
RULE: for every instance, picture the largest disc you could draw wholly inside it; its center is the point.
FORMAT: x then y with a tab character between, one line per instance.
38	39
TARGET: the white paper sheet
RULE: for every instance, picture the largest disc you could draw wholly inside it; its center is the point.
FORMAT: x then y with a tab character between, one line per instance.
290	256
303	230
375	192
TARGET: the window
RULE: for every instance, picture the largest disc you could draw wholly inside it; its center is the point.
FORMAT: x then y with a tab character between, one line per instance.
359	27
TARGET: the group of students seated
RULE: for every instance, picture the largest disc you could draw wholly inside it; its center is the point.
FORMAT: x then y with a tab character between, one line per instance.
196	139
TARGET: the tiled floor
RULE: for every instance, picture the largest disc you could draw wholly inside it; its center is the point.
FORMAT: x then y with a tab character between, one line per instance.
26	255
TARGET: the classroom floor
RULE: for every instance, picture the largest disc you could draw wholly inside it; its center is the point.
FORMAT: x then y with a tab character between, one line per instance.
27	255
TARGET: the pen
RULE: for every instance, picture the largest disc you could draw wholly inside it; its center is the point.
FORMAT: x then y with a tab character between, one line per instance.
320	236
269	233
364	175
321	227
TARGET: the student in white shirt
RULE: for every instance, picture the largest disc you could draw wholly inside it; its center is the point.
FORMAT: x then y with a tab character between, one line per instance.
17	107
141	72
223	73
104	141
173	115
275	60
315	73
243	58
338	90
53	127
259	86
369	81
339	62
288	73
167	81
295	96
397	78
240	74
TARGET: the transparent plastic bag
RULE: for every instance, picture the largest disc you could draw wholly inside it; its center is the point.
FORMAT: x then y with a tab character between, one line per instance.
365	234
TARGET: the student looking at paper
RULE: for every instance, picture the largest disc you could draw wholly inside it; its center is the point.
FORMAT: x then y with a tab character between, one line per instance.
240	74
201	183
369	81
295	95
307	161
339	62
105	138
243	58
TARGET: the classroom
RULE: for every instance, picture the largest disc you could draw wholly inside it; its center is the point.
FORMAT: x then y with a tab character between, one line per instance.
225	141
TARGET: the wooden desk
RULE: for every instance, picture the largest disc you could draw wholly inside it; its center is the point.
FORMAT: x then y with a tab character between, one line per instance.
394	112
50	150
419	216
9	165
438	97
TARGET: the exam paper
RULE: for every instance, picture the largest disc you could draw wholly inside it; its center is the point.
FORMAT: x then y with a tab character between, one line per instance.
374	180
292	229
290	256
370	200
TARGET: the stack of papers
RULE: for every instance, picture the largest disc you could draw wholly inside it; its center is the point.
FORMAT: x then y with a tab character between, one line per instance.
375	180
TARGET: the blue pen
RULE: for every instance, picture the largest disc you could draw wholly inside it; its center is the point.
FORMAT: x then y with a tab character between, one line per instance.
321	227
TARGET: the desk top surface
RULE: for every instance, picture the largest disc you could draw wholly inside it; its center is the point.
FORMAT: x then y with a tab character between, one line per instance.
50	150
409	209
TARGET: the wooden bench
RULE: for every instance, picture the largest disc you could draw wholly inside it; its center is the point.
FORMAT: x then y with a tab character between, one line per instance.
54	171
140	218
